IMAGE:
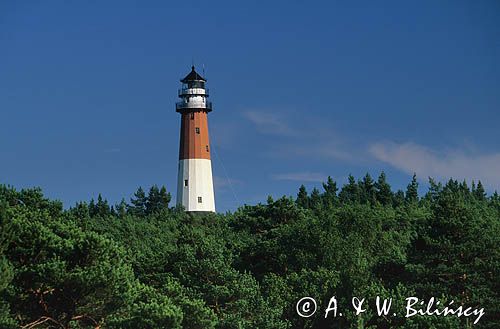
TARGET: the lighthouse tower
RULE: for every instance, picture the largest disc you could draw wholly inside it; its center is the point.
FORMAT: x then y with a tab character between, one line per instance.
194	185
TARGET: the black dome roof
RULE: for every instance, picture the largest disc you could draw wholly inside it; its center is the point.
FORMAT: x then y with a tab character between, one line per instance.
193	76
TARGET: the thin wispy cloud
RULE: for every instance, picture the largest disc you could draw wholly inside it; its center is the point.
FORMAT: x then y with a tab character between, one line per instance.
223	183
315	140
314	149
331	150
312	138
269	123
459	164
301	177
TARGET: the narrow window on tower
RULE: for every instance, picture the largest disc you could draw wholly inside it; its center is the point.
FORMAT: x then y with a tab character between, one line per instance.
199	199
206	147
192	115
197	130
185	182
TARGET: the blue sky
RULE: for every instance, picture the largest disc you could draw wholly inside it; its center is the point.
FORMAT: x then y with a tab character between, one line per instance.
301	90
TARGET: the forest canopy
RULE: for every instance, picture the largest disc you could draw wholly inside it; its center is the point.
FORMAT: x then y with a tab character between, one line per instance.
147	264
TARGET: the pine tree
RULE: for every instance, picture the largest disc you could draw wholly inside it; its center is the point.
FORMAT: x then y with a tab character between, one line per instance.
367	188
399	199
153	200
121	208
495	197
302	198
455	254
5	239
6	269
315	199
412	190
270	199
434	189
464	189
479	193
92	208
330	194
139	201
383	190
102	207
81	210
165	198
350	191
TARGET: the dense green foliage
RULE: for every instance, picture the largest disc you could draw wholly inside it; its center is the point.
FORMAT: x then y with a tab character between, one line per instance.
145	264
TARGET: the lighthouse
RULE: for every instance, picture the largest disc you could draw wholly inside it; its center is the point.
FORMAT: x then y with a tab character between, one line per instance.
195	189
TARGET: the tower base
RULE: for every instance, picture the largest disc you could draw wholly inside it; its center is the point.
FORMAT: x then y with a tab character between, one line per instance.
195	189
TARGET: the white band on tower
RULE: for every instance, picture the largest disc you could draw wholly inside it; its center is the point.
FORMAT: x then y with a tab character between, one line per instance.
194	186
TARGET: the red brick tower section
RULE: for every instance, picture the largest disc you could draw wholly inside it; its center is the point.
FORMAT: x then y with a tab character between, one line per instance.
194	142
